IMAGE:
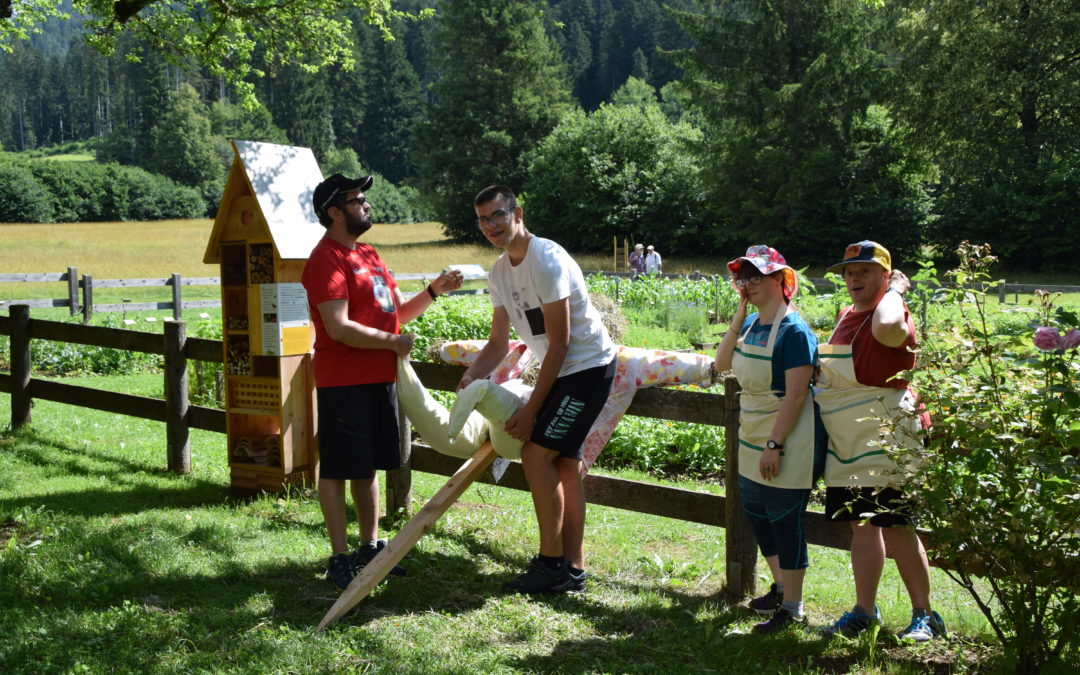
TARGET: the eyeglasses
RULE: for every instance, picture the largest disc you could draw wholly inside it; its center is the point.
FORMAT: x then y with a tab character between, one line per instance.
333	195
755	280
496	219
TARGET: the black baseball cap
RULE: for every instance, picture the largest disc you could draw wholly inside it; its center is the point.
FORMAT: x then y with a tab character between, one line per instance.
333	186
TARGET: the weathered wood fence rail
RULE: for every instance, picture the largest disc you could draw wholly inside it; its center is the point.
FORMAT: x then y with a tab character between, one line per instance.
179	417
86	285
80	290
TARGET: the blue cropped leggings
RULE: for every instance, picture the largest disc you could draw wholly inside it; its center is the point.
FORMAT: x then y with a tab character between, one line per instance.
776	516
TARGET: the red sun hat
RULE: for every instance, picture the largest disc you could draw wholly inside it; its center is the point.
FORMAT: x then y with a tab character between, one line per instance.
767	260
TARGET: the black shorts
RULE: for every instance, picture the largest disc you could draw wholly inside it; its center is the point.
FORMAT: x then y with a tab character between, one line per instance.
891	507
571	407
358	430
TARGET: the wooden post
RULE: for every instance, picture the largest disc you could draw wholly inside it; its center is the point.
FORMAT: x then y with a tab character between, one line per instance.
176	398
740	550
177	303
922	307
376	570
1001	292
73	290
399	481
20	365
88	297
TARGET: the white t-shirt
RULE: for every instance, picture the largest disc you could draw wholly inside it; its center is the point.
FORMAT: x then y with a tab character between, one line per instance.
652	262
548	274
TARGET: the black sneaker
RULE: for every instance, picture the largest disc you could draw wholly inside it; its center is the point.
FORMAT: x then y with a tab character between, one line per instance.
767	604
781	620
365	554
577	581
340	570
540	578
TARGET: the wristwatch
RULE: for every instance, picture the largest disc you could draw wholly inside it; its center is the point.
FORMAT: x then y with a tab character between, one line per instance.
773	445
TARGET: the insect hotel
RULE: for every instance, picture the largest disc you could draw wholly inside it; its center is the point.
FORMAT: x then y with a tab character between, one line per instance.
263	233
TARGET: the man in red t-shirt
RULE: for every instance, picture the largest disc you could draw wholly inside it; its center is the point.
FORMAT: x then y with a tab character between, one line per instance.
859	387
357	310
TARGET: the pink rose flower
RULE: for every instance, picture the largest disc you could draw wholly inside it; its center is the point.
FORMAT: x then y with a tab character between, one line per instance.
1047	338
1071	340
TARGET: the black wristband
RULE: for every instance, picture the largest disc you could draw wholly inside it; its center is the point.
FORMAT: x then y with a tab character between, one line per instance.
432	294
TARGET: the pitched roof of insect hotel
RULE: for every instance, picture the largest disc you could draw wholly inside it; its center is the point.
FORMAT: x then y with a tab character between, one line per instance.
268	196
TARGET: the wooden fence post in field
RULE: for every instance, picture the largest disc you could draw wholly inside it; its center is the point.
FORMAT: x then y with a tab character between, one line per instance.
20	365
73	290
399	481
88	297
740	550
177	303
176	397
1001	292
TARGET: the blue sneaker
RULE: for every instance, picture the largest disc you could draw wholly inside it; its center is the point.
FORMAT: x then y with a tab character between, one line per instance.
852	623
924	627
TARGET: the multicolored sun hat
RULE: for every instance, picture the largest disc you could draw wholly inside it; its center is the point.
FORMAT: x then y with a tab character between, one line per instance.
864	251
767	260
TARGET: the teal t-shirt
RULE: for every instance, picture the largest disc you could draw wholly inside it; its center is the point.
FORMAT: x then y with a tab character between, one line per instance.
796	345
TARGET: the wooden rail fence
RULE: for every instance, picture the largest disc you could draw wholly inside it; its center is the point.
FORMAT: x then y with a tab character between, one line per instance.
84	286
179	417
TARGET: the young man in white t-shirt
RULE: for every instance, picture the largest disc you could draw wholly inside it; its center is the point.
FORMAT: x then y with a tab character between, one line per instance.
538	289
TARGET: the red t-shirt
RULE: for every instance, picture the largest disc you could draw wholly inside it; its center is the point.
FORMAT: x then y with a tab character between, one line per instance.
333	272
874	362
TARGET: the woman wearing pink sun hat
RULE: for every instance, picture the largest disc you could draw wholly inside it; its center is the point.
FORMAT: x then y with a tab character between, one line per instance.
781	447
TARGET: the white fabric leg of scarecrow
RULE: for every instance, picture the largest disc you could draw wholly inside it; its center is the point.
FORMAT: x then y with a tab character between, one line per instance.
464	430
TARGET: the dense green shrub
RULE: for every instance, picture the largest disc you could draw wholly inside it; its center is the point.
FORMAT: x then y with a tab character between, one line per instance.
466	317
23	199
389	203
65	358
89	192
619	171
999	474
663	447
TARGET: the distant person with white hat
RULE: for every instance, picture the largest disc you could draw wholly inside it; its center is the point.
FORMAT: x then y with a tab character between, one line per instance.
653	263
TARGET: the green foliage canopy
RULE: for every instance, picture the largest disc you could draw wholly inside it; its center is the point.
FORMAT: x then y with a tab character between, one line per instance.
222	35
502	90
622	171
791	148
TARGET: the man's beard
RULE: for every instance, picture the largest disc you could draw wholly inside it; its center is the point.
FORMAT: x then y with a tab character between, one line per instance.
357	225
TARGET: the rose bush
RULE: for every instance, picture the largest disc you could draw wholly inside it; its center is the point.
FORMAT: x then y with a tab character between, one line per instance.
999	480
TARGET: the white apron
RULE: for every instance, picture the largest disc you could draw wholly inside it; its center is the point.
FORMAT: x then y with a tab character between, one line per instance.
758	406
859	418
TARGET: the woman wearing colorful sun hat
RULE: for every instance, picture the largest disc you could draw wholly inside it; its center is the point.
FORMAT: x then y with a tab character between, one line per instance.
772	353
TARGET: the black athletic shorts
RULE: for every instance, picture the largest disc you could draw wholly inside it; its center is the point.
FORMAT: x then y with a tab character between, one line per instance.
891	507
571	407
358	430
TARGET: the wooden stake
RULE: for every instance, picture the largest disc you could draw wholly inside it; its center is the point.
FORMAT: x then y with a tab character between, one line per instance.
376	570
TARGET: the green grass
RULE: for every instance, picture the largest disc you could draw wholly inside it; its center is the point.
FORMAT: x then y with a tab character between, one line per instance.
110	563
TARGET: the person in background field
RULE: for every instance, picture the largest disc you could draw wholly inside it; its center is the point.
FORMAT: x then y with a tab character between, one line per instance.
538	289
773	354
637	260
653	263
871	344
356	309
